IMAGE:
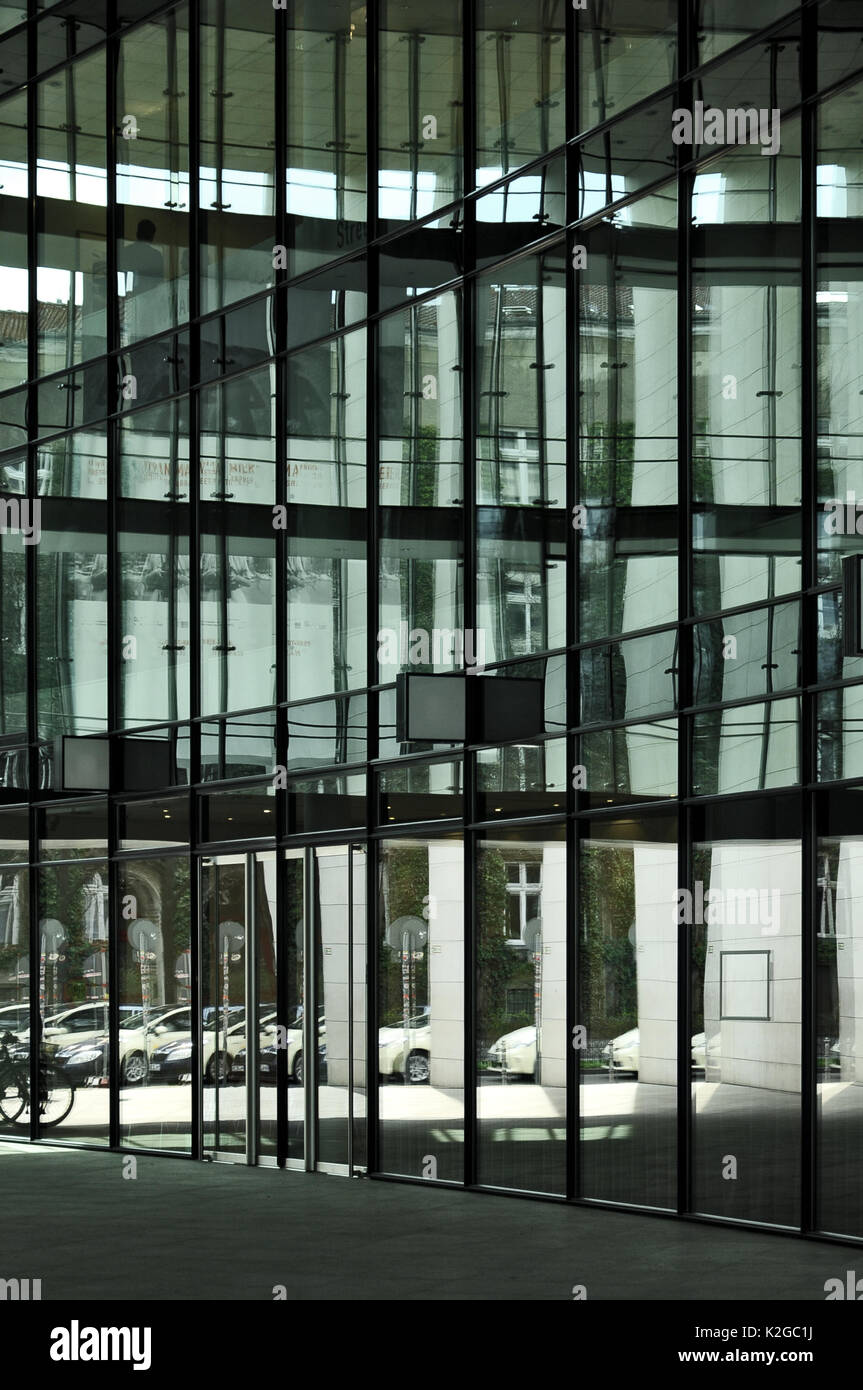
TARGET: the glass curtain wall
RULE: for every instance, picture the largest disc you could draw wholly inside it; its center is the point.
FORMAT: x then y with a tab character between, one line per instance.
333	354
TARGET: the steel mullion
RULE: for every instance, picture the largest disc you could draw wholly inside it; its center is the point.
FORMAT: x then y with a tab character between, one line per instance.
685	367
808	633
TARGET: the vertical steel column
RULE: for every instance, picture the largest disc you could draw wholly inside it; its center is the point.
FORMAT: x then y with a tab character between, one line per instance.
686	60
469	580
280	498
310	1010
30	567
196	905
809	637
251	962
113	596
573	458
372	571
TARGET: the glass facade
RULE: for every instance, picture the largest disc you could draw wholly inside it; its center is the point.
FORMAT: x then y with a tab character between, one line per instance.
341	343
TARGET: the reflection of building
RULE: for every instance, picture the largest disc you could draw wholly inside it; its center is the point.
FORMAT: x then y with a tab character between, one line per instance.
540	384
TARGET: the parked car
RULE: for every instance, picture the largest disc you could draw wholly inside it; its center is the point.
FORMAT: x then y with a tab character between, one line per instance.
515	1052
14	1018
172	1060
407	1053
81	1060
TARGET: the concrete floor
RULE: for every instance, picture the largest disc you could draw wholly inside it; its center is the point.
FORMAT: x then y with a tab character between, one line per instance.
184	1230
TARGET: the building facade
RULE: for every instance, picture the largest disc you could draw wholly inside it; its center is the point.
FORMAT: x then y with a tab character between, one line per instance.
341	343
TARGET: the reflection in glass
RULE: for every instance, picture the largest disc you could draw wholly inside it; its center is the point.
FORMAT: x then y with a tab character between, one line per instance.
521	78
73	996
326	131
628	425
628	1005
746	954
747	382
237	177
838	1043
420	117
155	1011
71	188
153	177
521	1010
420	1010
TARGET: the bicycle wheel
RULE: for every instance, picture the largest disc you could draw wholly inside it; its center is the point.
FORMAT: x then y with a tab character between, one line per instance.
14	1094
56	1098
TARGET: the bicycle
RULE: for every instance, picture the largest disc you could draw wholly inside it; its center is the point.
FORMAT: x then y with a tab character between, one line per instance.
56	1093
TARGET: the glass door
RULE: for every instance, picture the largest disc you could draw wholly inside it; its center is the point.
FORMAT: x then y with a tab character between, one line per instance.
238	1002
326	1036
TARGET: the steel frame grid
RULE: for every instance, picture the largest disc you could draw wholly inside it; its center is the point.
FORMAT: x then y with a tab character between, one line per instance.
684	803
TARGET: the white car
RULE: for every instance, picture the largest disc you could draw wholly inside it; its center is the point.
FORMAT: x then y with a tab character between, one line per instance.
515	1052
407	1052
172	1060
624	1051
14	1018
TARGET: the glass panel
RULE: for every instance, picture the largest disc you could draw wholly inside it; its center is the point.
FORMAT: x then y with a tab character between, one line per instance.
747	654
414	791
839	310
295	939
747	748
627	530
154	940
326	540
421	136
626	52
326	131
520	212
745	913
333	987
73	997
521	1010
153	176
71	602
840	734
521	484
631	764
838	1050
238	597
224	942
724	23
521	79
420	404
521	778
153	568
359	987
14	957
13	651
627	1006
13	237
263	869
71	187
421	1008
747	382
237	177
631	679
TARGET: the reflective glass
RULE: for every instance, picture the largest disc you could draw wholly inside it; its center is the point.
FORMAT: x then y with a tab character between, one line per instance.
744	912
420	985
520	77
520	926
71	191
627	1009
154	939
